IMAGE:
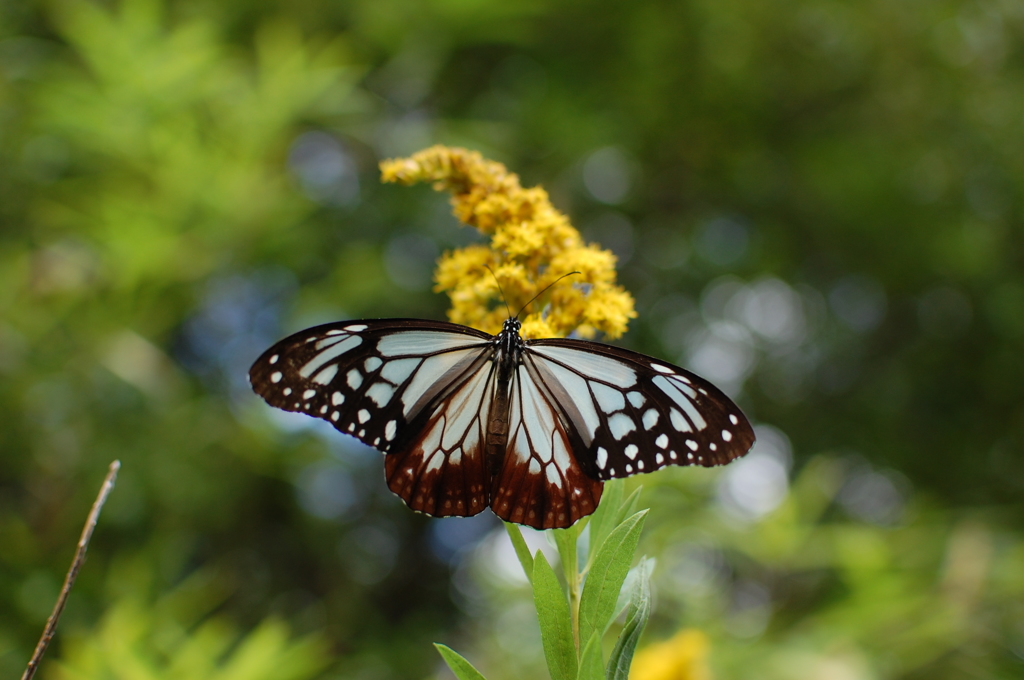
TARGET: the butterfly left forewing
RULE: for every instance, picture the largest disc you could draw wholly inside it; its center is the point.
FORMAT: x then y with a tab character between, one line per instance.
636	414
369	378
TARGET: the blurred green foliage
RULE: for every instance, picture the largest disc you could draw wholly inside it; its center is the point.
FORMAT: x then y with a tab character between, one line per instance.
174	637
816	203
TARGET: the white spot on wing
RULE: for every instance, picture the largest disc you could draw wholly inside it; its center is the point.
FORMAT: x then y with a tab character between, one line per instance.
553	477
662	441
734	420
327	375
620	425
337	398
430	373
381	393
692	444
398	370
274	359
679	422
351	342
561	453
433	438
650	418
678	391
363	415
695	416
435	462
308	394
631	451
609	399
354	379
662	369
636	399
602	457
329	341
659	459
610	370
372	364
355	328
276	376
286	391
424	342
390	429
726	435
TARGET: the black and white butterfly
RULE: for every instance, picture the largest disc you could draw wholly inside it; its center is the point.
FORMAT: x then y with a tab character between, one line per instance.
529	428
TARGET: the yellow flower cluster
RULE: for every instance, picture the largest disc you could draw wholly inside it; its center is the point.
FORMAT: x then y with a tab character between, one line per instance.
532	245
681	657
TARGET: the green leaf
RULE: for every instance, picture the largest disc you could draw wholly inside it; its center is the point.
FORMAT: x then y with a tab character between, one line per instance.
637	613
463	669
591	665
555	622
522	550
604	518
629	506
606	576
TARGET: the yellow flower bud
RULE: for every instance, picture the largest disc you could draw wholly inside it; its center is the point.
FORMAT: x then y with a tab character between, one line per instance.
532	245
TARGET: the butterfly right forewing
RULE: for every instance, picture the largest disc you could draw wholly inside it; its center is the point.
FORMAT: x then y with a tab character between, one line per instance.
637	414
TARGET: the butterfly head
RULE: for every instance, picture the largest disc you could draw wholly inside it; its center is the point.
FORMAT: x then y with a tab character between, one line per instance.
512	326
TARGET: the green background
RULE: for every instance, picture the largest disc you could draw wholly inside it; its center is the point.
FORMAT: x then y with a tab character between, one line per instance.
817	205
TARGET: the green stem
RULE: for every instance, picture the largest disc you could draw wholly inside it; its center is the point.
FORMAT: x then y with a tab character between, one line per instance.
566	541
574	601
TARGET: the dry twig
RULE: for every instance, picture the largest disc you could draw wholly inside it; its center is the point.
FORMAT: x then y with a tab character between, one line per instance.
76	564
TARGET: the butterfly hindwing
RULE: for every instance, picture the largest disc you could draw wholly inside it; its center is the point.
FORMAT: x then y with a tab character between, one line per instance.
540	482
638	414
440	469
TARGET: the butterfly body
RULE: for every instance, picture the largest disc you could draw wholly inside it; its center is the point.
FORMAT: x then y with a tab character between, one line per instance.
508	355
529	428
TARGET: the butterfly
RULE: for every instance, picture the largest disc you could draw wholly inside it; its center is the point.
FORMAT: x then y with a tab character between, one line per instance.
469	420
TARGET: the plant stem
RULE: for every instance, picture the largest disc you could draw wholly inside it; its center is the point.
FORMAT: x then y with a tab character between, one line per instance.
571	568
574	604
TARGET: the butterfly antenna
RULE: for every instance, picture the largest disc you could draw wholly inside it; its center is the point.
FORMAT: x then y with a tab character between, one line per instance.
545	290
499	290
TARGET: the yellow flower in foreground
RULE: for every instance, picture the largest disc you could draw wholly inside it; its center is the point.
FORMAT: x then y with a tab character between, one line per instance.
681	657
532	245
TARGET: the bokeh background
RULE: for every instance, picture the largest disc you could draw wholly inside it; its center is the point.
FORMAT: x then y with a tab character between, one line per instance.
816	203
